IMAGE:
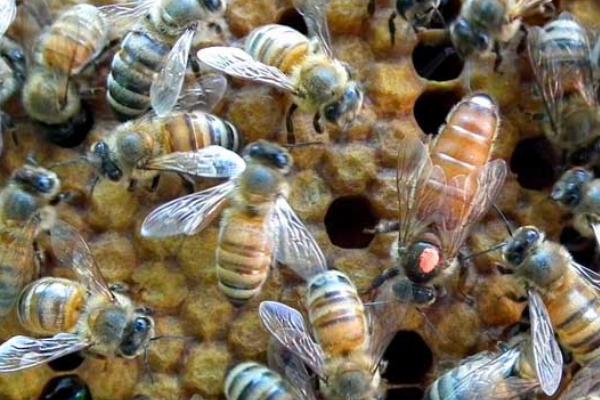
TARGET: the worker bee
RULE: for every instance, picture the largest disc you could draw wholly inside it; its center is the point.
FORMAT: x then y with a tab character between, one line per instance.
584	385
306	68
63	50
149	69
511	374
482	22
134	150
12	76
560	57
26	209
258	225
562	294
443	189
84	315
349	340
577	190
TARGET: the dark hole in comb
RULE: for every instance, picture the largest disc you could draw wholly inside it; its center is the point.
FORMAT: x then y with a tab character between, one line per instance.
66	387
533	161
293	19
449	9
73	132
68	362
432	108
409	359
581	248
346	220
404	394
437	62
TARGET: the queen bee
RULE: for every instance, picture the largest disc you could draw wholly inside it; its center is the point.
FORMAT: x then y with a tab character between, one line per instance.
81	315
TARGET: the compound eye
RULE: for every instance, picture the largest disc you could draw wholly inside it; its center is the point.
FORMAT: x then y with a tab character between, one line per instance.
44	184
331	112
115	174
282	160
141	325
531	236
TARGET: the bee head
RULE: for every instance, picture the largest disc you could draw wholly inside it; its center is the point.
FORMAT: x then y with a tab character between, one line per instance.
407	291
214	5
466	39
524	240
108	167
37	180
270	154
421	261
567	190
344	109
137	335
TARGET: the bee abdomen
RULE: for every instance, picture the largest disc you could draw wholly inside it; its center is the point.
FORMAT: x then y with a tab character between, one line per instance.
336	313
77	37
277	45
243	256
564	40
132	71
51	305
252	381
196	130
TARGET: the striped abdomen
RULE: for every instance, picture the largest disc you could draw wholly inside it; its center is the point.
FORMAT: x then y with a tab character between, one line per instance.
336	314
132	71
244	254
51	305
172	17
192	131
253	381
73	40
575	313
277	45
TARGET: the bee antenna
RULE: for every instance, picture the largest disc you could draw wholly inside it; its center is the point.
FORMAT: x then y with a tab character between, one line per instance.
493	248
94	183
169	337
437	61
503	218
291	146
147	369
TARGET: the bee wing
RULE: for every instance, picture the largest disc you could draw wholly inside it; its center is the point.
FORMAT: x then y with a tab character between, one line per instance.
287	326
167	85
546	353
292	368
21	352
586	382
524	8
596	229
209	162
591	277
418	203
206	95
484	186
186	215
315	16
239	64
122	16
296	246
71	249
8	13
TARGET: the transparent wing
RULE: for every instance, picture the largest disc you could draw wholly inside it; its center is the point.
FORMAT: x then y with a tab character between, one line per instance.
239	64
72	251
591	277
205	95
21	352
292	368
555	79
595	228
167	84
546	353
296	246
209	162
287	326
315	16
524	8
186	215
418	201
586	382
479	190
123	16
8	13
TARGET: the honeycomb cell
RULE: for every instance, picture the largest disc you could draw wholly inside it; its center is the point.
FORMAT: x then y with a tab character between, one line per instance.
112	206
205	368
111	379
25	385
349	169
432	108
243	16
160	286
292	18
534	162
160	386
247	335
409	359
166	351
207	313
68	362
310	197
346	221
66	387
115	256
437	61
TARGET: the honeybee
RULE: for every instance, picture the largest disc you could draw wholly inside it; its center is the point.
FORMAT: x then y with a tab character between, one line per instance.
258	225
63	50
577	190
83	315
149	69
510	374
135	149
482	22
304	67
12	76
560	57
443	189
349	340
26	209
584	385
562	294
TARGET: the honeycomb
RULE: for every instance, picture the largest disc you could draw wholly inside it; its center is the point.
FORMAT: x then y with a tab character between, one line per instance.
339	189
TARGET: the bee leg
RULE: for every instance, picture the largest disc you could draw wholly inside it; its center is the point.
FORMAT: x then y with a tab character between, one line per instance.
154	184
39	260
383	227
371	7
381	279
392	28
187	183
289	124
462	285
497	51
317	123
132	185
